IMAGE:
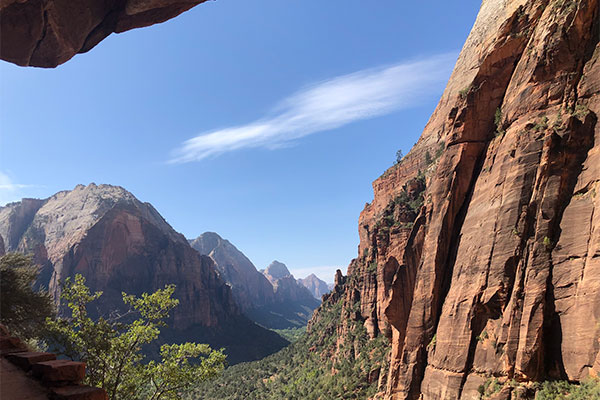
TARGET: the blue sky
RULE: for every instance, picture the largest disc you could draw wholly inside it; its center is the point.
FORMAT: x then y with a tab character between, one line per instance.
265	121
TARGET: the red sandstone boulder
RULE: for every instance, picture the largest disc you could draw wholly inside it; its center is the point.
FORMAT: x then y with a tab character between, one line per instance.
57	371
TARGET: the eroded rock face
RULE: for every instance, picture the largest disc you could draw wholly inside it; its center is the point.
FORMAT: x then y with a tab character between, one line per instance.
249	287
120	244
46	33
495	273
498	278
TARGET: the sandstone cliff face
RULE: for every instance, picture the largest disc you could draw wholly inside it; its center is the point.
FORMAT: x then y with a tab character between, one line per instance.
249	287
479	255
46	33
315	286
123	245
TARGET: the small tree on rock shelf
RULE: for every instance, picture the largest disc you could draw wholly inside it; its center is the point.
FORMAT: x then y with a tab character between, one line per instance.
112	349
399	156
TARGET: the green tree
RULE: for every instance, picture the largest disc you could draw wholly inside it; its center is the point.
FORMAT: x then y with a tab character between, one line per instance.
399	156
112	349
428	159
23	310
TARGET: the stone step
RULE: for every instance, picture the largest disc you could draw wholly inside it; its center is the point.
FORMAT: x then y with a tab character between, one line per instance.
4	330
59	371
25	360
11	344
78	393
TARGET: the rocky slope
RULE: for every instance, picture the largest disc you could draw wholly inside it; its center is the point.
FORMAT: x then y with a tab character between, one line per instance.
479	255
249	287
316	286
46	33
123	245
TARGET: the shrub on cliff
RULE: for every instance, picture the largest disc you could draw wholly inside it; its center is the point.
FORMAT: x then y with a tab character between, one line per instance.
23	310
112	349
563	390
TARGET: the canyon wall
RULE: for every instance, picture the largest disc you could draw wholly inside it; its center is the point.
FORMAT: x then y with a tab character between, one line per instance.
480	254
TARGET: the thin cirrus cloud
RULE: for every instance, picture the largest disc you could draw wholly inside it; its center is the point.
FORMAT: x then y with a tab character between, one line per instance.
327	105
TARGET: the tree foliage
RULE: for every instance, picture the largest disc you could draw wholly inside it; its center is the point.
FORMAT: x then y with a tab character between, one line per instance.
112	348
23	310
399	156
307	369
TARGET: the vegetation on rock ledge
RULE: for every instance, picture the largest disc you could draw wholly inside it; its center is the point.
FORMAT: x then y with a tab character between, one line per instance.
317	366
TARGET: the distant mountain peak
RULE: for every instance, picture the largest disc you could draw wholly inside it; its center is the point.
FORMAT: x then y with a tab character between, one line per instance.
316	286
277	270
206	242
272	296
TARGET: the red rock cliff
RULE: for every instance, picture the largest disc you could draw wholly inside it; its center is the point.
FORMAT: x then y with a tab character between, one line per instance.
480	253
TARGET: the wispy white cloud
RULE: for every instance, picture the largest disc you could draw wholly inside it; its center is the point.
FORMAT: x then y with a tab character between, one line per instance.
327	105
10	191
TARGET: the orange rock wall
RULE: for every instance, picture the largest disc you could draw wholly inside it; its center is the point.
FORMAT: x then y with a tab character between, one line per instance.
498	273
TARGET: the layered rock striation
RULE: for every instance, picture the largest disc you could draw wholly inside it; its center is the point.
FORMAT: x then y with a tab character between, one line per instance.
480	253
123	245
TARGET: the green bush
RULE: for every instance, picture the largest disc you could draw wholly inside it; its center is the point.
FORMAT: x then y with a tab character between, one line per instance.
563	390
23	310
112	349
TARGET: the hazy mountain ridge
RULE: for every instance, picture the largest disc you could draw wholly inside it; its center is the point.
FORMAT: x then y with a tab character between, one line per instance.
250	288
315	285
275	301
